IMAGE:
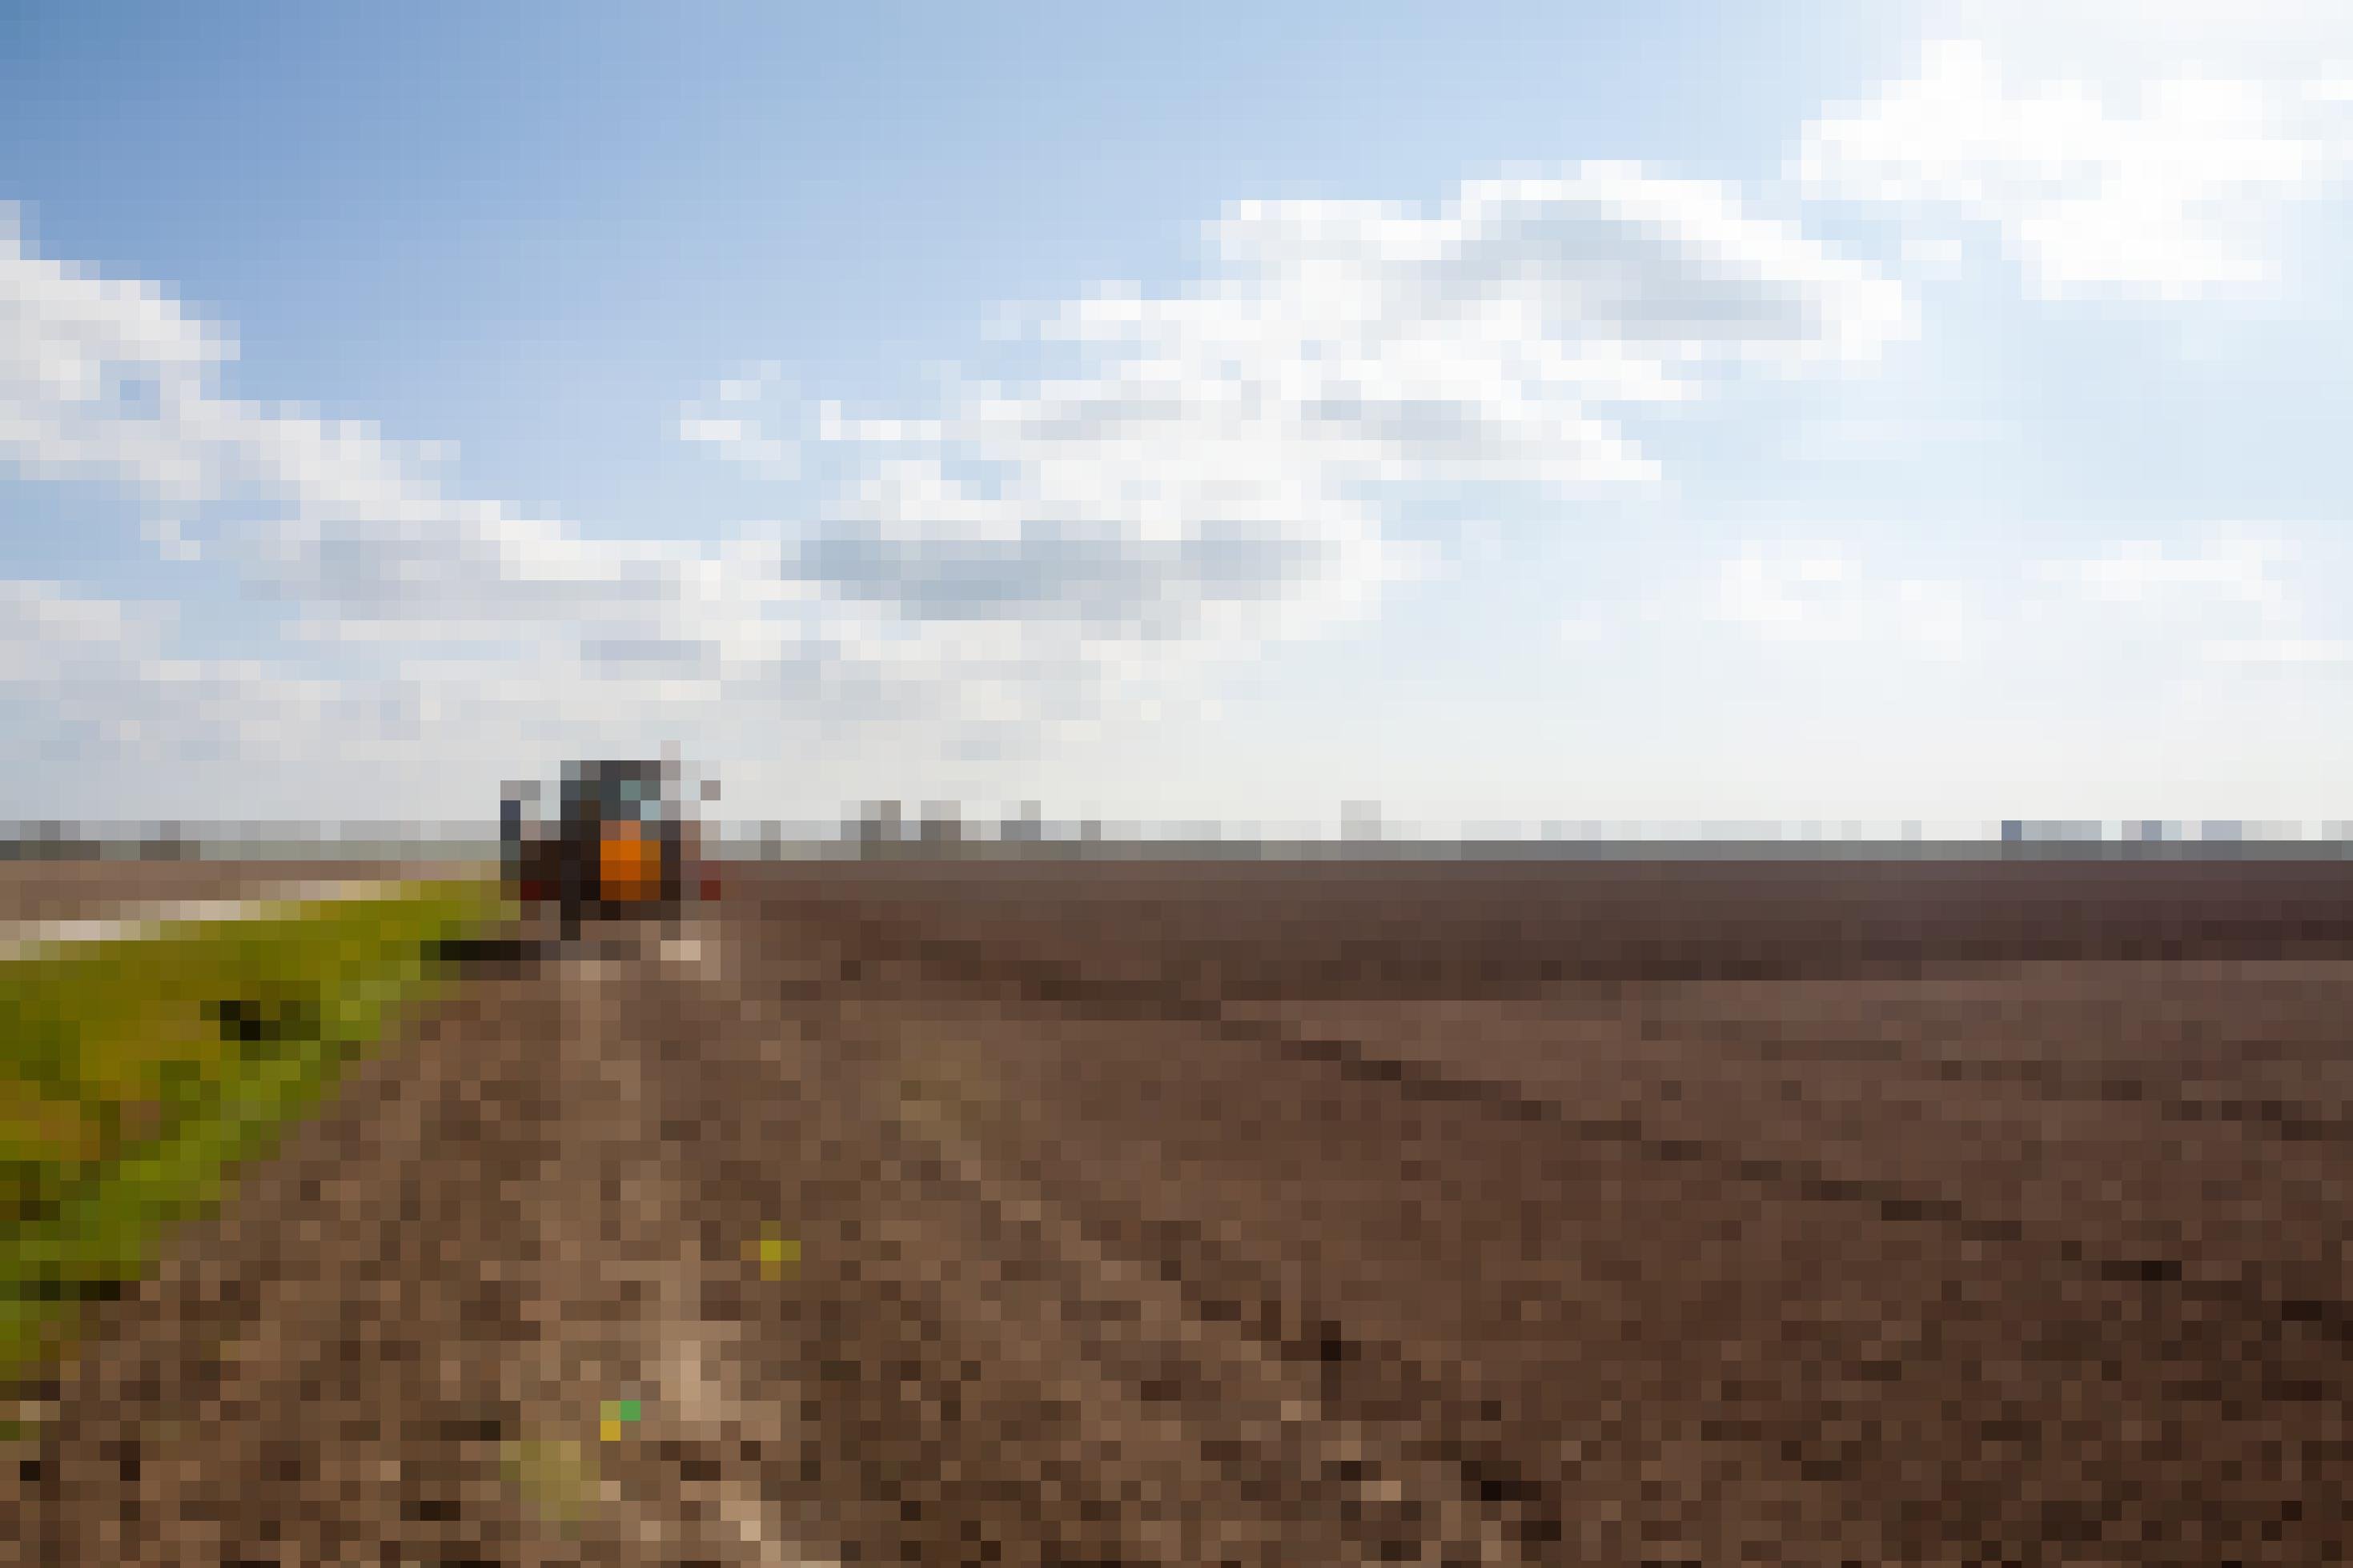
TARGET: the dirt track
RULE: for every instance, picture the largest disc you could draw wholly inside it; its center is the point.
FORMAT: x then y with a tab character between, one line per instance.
84	890
1172	1248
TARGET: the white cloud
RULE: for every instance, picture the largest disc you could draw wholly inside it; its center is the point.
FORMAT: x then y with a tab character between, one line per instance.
108	381
1817	593
2280	650
2175	189
96	671
2229	599
2225	597
47	630
1161	484
1231	463
2223	600
2228	571
724	421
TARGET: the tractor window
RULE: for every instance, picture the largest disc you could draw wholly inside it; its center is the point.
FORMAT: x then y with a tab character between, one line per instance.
631	800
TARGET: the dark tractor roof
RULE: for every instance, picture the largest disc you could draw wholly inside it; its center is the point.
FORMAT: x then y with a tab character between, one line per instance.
618	790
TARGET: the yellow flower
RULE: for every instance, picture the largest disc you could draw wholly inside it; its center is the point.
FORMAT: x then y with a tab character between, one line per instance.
773	1252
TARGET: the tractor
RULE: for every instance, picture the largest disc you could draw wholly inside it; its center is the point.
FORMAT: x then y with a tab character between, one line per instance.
621	847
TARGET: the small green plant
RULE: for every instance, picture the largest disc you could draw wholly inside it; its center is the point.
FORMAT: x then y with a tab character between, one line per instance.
555	1476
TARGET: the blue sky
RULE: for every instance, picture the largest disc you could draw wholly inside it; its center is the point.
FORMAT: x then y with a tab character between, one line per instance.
1680	412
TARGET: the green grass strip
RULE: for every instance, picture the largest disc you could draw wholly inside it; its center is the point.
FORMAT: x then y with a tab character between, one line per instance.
136	1075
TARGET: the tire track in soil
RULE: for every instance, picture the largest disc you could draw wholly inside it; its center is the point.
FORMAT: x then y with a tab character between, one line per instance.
475	1246
941	1430
1827	1171
2090	1402
1301	1481
1090	1274
668	1487
998	1382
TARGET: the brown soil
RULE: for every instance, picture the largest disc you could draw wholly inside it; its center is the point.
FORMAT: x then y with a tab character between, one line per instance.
1196	1215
